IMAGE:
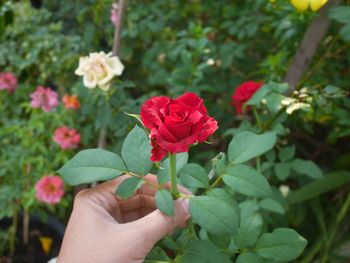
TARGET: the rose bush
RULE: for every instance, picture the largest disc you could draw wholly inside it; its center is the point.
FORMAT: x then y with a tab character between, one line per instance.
208	48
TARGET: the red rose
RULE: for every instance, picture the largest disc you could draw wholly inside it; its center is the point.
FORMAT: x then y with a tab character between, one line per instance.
243	93
175	124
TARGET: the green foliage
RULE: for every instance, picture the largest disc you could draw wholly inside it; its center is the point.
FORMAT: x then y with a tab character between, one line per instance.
342	15
92	165
193	176
213	215
208	47
201	251
136	151
128	187
165	202
282	244
247	145
246	180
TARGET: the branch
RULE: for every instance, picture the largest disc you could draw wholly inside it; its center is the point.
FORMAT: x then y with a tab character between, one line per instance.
115	50
308	47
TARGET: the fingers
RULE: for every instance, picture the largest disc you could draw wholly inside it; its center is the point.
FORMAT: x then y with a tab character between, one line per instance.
152	179
156	225
136	202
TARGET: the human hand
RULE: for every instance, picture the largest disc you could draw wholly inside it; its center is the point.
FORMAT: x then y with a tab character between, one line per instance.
104	228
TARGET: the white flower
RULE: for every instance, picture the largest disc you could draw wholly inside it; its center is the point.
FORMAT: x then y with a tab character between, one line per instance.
206	51
98	69
284	189
303	90
287	101
296	106
211	62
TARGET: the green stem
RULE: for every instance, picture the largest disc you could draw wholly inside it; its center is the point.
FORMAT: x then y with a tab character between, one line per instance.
13	232
342	213
172	159
258	121
258	166
215	183
191	230
274	118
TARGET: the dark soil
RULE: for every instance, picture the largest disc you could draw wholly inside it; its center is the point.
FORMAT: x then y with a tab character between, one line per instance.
33	251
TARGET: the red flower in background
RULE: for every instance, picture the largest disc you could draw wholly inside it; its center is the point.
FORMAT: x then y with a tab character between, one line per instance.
66	138
71	102
175	124
49	189
8	82
243	93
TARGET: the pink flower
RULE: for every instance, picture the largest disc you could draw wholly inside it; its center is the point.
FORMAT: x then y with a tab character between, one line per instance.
44	98
114	14
8	82
49	189
66	138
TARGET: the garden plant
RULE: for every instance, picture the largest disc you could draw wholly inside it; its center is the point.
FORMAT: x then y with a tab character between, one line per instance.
243	103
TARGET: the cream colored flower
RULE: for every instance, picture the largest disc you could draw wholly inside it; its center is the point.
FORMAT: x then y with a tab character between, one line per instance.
98	69
303	5
284	189
296	106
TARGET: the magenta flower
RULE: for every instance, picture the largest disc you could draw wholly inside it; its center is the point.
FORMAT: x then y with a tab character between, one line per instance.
8	82
44	98
66	138
49	189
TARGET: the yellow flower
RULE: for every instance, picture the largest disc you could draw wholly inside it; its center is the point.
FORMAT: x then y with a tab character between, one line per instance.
303	5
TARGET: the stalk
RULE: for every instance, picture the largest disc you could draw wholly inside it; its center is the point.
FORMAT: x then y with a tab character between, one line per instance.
13	232
174	192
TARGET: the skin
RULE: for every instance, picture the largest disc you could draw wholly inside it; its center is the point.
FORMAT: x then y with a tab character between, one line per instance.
104	228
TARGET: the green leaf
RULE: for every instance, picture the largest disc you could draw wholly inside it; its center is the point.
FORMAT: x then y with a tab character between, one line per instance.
318	187
249	257
200	251
283	244
194	176
219	163
340	14
157	254
287	154
251	225
213	215
165	202
345	32
247	181
265	90
273	102
223	195
92	165
259	95
272	205
307	167
163	173
282	170
136	152
128	187
246	146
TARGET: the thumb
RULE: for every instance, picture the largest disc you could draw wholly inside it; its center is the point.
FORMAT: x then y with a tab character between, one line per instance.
156	225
